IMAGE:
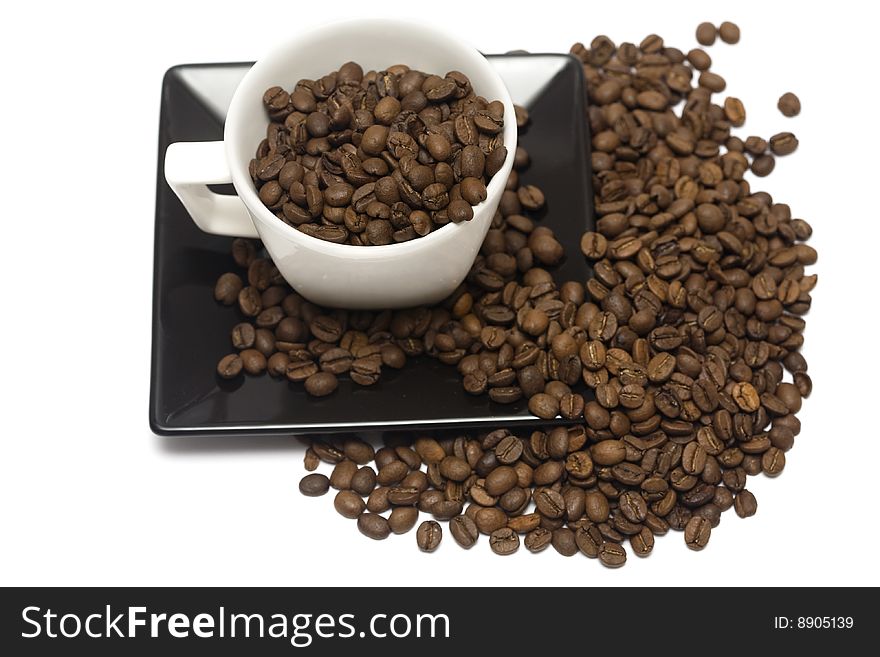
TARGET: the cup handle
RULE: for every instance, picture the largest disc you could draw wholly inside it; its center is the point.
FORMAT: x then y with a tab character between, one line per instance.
189	168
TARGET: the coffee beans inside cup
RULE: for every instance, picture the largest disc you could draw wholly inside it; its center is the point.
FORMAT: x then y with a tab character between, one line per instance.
379	157
679	359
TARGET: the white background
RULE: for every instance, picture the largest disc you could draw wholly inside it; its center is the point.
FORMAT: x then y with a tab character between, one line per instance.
89	496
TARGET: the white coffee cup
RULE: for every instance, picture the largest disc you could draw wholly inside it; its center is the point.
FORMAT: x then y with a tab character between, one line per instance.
421	271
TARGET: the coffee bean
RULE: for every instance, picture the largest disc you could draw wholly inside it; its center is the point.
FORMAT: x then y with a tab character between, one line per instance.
783	143
227	288
729	32
697	532
311	460
455	468
230	366
364	481
538	539
544	406
314	485
349	504
464	531
404	495
446	509
392	473
373	526
734	111
745	504
501	480
342	474
504	541
746	397
612	555
402	519
706	34
643	542
550	503
763	166
773	461
608	452
429	535
563	541
789	104
321	384
488	520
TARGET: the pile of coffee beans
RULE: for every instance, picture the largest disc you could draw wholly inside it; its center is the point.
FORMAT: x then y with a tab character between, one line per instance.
679	359
379	157
683	338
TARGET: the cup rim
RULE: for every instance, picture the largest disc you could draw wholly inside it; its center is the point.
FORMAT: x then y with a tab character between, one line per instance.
241	178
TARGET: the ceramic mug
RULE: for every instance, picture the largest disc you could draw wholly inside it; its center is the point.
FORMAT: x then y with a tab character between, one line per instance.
421	271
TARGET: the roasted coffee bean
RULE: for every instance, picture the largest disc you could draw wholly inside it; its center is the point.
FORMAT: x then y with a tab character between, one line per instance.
697	532
349	504
227	288
544	406
230	366
612	555
745	504
314	485
538	539
789	104
464	531
706	34
504	541
342	474
311	460
404	495
488	520
364	481
783	143
402	519
501	480
643	542
763	166
729	32
373	526
455	468
429	535
550	503
563	541
321	384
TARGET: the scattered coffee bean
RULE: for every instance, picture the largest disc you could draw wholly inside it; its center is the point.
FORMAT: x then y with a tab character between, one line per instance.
464	531
676	347
745	504
314	485
230	366
783	143
504	541
697	532
612	555
373	526
706	34
349	504
402	519
789	104
729	32
429	535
